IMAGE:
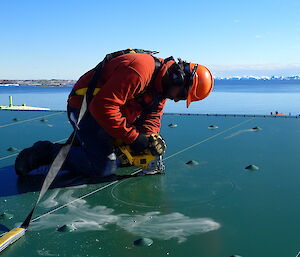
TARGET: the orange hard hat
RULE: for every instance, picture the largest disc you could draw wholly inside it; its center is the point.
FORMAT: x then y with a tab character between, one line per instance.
202	84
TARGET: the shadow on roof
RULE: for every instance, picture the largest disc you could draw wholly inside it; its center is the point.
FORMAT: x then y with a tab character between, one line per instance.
11	184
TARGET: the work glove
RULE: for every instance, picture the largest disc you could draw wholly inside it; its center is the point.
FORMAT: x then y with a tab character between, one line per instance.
140	144
157	144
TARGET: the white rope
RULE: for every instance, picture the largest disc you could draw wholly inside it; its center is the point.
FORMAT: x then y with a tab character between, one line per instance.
82	197
220	133
23	121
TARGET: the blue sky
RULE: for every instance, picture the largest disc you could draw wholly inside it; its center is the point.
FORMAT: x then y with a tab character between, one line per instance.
63	39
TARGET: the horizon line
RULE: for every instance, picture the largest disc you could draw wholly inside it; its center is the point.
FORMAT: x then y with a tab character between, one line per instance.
295	77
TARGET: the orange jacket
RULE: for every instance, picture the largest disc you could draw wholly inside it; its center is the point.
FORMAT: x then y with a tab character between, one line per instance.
114	106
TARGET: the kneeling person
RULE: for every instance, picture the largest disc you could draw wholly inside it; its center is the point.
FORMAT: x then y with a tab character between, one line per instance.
125	109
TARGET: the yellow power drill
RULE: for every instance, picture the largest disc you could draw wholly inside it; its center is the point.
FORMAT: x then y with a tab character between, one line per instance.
150	160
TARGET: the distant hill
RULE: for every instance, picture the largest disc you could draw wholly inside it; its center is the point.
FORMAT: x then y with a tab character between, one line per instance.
64	83
39	82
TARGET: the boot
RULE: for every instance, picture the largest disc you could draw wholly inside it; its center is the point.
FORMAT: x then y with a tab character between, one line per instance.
31	158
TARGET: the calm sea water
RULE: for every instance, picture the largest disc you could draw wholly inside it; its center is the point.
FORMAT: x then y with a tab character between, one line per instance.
230	97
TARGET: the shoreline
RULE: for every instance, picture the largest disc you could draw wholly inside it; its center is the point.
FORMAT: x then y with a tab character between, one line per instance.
219	80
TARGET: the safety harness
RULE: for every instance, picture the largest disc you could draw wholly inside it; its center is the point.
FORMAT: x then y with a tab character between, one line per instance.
92	90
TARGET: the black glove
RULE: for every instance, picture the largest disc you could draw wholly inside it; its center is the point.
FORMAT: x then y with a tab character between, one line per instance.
140	144
157	144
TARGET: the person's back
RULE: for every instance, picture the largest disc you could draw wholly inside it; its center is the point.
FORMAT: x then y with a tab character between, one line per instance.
116	102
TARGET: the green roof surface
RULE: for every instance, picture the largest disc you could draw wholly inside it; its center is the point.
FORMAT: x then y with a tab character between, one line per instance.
207	203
